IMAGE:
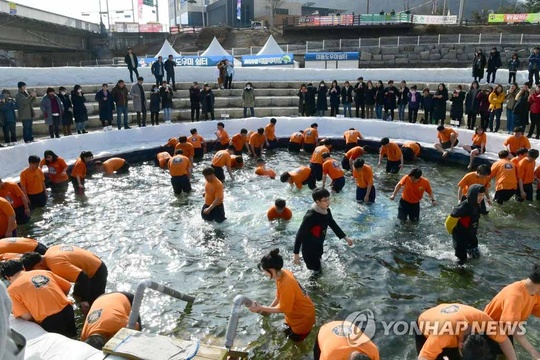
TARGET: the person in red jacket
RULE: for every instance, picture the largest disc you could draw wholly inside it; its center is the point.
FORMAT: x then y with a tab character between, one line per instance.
534	101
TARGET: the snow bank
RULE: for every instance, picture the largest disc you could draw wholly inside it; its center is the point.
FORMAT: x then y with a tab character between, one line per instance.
98	75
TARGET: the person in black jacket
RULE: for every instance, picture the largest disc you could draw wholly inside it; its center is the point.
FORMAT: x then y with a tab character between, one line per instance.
155	104
360	98
194	99
170	64
132	63
322	102
513	67
390	97
80	113
67	115
106	106
335	95
311	103
207	101
166	93
347	98
402	100
369	100
439	104
456	109
479	64
312	232
427	105
158	70
471	105
379	99
462	223
493	64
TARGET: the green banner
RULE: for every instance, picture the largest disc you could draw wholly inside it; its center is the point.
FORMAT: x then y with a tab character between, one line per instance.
514	18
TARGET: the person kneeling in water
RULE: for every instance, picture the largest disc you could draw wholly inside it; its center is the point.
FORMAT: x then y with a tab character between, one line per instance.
114	164
291	298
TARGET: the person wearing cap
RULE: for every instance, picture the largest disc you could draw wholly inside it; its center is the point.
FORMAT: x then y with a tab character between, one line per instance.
120	96
52	109
78	173
25	104
207	102
132	63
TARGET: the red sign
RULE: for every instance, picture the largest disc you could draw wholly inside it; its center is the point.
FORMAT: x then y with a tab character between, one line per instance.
515	17
150	28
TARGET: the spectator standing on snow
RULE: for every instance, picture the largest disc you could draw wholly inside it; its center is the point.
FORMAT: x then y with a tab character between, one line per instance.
335	95
229	72
456	109
52	109
167	94
369	98
534	66
132	63
7	116
402	100
471	105
248	99
347	98
106	106
390	98
80	112
195	101
513	67
478	66
311	103
439	104
67	117
322	102
521	107
427	106
493	64
158	70
170	64
207	101
120	96
414	100
25	104
360	98
155	103
139	101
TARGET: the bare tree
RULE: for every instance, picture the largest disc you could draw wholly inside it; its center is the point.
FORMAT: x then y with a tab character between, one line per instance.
273	5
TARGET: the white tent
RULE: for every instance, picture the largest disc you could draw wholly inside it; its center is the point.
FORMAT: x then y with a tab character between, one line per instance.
271	48
167	50
215	49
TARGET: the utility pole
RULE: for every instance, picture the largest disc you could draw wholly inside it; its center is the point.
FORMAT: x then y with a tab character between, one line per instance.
460	14
367	7
108	15
444	8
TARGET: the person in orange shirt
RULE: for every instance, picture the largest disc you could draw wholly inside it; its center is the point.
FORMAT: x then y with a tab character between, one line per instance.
351	137
299	177
222	137
187	148
279	211
343	340
8	222
332	169
365	190
448	138
411	150
19	202
296	141
270	133
180	170
32	182
414	186
516	141
223	158
505	175
112	165
459	332
109	313
513	306
199	145
261	169
351	155
162	159
40	296
479	141
316	161
482	177
394	161
311	138
291	299
57	171
256	143
213	209
237	162
537	174
240	142
525	175
78	172
76	265
172	142
520	155
19	245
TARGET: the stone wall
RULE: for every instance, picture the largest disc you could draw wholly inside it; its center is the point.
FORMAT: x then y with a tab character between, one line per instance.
447	55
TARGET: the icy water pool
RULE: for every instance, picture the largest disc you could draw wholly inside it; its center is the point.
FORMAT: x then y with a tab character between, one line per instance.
143	231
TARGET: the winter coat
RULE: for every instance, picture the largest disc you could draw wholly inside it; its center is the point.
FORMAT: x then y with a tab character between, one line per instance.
248	98
229	70
414	105
207	100
106	106
390	97
511	99
322	102
46	108
127	60
427	102
369	96
8	110
25	103
456	108
403	96
521	107
169	66
513	65
155	101
483	103
471	103
120	95
335	96
379	96
439	105
462	222
137	97
80	113
158	68
311	107
166	97
534	100
67	118
360	93
496	101
494	61
347	95
194	96
479	64
534	61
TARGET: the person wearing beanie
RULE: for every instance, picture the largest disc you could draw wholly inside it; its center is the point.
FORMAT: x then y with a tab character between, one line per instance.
25	104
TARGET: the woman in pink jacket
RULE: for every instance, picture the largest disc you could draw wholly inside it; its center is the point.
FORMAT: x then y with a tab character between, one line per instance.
534	101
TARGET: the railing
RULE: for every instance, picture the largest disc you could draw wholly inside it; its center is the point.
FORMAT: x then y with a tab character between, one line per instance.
346	20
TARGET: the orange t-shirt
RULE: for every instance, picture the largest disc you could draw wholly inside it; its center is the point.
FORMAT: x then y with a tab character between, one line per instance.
223	137
79	169
449	318
17	245
355	153
187	148
257	140
235	164
311	135
12	193
212	190
444	136
513	304
272	214
239	142
392	151
68	261
113	164
196	140
333	169
514	144
364	176
537	174
270	132
6	211
10	256
298	176
163	159
525	170
55	170
222	158
33	181
414	192
40	293
108	314
413	146
172	142
515	160
352	136
179	165
335	339
479	139
265	172
471	179
297	138
316	157
505	175
295	304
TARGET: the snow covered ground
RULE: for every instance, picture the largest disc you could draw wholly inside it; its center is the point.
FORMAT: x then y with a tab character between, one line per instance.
98	75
